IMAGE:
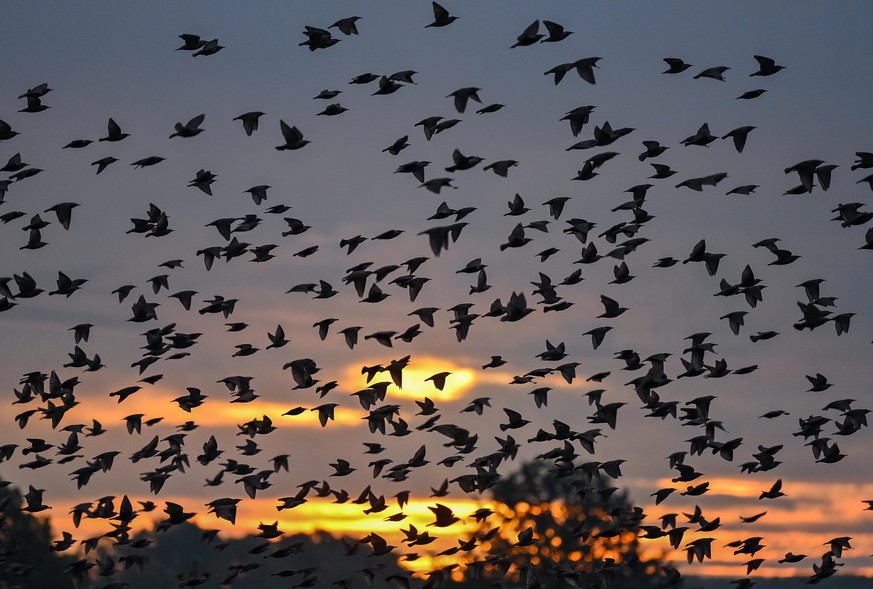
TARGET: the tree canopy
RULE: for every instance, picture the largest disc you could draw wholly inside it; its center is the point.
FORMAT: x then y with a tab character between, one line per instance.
568	526
26	557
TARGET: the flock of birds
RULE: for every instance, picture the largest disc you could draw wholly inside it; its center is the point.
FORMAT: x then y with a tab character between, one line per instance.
75	448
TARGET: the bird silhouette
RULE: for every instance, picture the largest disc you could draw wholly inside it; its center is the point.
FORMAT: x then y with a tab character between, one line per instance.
675	65
250	121
441	17
529	36
292	136
714	73
766	66
189	129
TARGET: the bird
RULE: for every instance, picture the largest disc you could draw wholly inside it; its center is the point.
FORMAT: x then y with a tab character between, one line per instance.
585	68
515	420
703	137
516	238
739	136
189	129
438	379
752	518
751	94
277	338
250	121
341	468
766	66
333	110
325	412
6	131
33	499
490	108
598	334
210	47
435	185
292	136
190	42
675	65
364	78
441	17
258	193
745	189
415	167
516	206
611	308
462	162
697	184
819	383
806	170
145	162
113	132
347	25
735	320
398	146
78	144
774	492
501	168
103	163
14	164
34	103
529	36
318	38
556	32
463	95
444	517
714	73
81	332
203	180
559	71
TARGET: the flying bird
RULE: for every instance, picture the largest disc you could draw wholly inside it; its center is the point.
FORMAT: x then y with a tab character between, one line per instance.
250	121
292	136
675	65
441	17
766	66
189	129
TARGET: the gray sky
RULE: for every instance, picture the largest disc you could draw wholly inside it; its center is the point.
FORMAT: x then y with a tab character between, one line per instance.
119	60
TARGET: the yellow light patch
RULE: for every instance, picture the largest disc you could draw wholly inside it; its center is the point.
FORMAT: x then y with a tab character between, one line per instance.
415	385
213	412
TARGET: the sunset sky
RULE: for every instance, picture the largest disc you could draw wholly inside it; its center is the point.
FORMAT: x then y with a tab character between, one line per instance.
120	60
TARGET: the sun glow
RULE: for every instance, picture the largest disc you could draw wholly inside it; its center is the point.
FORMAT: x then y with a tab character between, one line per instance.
348	519
415	379
315	515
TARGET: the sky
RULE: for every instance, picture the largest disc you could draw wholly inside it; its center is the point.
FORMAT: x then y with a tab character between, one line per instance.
120	61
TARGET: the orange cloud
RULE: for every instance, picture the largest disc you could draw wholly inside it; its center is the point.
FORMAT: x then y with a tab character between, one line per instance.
829	510
155	402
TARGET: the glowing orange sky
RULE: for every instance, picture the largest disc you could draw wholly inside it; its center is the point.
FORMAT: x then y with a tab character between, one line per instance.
421	367
788	529
785	526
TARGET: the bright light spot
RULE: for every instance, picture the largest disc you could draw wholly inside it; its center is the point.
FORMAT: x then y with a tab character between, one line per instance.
415	383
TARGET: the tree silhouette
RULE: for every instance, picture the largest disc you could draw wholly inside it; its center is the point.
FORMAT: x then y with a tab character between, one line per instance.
565	528
186	555
26	558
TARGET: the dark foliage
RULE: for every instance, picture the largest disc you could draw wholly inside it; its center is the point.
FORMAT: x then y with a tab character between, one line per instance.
570	530
26	559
